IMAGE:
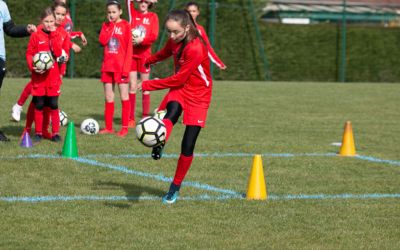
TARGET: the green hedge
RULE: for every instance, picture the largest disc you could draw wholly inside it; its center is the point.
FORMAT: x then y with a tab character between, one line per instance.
295	53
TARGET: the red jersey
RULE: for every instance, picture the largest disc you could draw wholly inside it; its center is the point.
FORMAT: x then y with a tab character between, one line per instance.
44	41
211	53
117	41
148	23
192	77
69	26
66	45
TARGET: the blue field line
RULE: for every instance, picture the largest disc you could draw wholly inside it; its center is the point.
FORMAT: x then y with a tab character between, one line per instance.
216	155
205	197
373	159
157	177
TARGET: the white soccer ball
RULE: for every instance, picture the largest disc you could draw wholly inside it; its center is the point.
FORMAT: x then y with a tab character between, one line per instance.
90	126
159	114
138	32
63	117
43	60
151	131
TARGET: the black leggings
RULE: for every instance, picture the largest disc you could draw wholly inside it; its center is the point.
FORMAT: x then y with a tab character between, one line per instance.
174	110
45	101
2	71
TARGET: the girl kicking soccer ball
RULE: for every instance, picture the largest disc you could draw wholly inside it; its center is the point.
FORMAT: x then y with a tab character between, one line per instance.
190	89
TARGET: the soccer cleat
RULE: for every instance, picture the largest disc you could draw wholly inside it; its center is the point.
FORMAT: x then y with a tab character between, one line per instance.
131	124
170	197
172	194
106	131
3	137
56	138
123	132
157	151
37	138
16	112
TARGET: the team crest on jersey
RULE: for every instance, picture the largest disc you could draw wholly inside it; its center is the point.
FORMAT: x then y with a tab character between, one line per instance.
146	21
113	45
68	27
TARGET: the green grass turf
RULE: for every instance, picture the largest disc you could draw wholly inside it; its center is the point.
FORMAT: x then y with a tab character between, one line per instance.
245	117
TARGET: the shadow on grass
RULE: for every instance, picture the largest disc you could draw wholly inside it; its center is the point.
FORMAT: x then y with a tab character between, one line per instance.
14	130
133	192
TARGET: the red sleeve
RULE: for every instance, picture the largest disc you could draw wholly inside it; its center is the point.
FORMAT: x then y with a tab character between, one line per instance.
131	9
211	53
128	55
75	34
192	57
151	36
56	43
161	55
106	32
31	51
67	45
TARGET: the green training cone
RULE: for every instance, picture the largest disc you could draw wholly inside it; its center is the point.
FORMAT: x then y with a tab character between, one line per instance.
70	148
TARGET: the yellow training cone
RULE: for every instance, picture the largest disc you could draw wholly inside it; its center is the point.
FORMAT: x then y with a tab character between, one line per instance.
348	148
256	189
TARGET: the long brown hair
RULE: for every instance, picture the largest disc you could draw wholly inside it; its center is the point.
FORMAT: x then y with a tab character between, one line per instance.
184	19
47	12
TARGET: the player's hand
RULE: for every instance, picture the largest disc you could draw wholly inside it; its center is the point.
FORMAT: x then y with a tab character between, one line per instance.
31	28
84	41
39	71
139	86
76	48
224	67
137	40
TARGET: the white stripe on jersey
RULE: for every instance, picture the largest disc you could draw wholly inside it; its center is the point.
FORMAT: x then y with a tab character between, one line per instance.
213	60
129	10
203	75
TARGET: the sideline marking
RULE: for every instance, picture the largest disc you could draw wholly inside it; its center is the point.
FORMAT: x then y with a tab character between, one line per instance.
157	177
220	155
205	197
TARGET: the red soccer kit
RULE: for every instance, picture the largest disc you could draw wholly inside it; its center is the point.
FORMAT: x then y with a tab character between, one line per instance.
211	53
148	23
69	26
66	46
48	83
117	41
191	85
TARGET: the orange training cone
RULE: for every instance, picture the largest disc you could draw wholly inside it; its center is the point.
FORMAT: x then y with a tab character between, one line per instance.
256	189
348	148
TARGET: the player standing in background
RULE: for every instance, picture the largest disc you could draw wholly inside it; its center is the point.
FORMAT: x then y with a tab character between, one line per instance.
12	30
116	37
145	23
67	24
60	10
45	84
194	9
190	89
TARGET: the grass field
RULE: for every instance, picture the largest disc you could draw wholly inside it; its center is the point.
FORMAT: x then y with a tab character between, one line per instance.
110	197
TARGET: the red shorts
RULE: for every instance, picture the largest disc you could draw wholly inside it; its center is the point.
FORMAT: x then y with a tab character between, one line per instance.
42	90
195	116
138	65
113	77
